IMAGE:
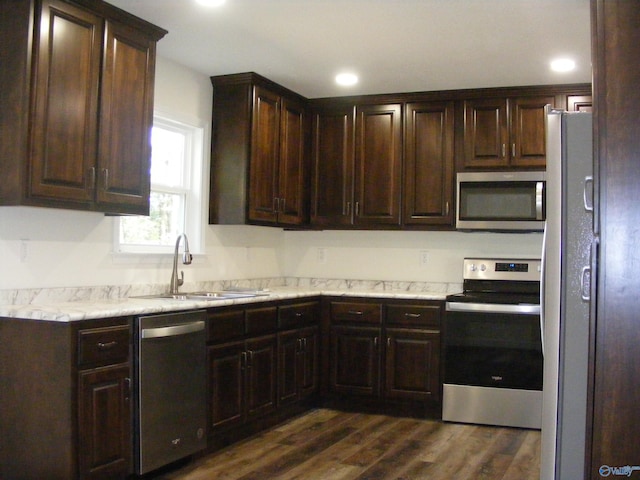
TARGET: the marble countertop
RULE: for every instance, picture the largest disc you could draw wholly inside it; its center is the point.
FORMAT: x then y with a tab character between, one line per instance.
68	308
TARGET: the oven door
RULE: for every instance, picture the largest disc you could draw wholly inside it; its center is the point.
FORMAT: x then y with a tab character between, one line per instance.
493	345
493	365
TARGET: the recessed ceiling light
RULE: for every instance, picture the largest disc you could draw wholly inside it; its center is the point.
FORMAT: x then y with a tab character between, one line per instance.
563	65
211	3
346	79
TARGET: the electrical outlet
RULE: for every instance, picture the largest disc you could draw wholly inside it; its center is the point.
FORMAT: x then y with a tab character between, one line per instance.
321	255
24	250
424	257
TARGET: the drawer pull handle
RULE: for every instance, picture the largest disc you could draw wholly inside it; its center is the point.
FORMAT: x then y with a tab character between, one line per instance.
412	315
107	345
299	314
355	312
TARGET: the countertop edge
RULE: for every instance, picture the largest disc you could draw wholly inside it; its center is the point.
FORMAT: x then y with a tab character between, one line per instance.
86	310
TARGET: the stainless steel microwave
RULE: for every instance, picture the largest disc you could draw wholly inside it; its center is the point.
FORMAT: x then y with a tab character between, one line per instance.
500	201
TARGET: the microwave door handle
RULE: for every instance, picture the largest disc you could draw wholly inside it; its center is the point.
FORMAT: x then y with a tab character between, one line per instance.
539	200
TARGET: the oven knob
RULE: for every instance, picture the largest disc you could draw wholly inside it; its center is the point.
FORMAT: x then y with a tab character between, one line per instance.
472	267
483	267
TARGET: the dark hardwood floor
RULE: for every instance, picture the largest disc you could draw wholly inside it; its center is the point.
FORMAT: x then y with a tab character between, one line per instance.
329	444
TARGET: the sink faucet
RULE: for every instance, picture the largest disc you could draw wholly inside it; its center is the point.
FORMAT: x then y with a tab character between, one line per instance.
186	260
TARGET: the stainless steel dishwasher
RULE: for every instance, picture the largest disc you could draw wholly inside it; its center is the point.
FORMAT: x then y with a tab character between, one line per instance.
170	414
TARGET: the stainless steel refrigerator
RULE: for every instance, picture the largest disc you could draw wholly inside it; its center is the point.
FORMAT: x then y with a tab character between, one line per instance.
566	293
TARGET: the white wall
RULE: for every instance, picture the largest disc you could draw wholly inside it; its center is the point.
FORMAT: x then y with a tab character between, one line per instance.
42	248
384	255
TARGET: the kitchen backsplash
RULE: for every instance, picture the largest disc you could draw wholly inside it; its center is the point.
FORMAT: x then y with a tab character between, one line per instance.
37	296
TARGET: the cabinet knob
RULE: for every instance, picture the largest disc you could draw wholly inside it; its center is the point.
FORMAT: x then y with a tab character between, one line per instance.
105	175
106	345
243	360
127	388
92	178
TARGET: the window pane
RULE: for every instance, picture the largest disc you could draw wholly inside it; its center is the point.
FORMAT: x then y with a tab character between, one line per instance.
167	157
164	223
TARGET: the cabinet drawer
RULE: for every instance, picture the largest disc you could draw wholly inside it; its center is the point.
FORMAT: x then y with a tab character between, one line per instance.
290	316
413	315
103	345
261	320
225	325
353	312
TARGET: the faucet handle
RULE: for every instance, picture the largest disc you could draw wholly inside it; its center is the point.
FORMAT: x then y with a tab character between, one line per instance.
181	279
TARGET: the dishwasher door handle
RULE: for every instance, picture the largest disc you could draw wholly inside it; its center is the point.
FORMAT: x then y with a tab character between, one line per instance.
172	330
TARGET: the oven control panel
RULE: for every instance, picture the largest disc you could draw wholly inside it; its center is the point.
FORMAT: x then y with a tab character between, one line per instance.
502	269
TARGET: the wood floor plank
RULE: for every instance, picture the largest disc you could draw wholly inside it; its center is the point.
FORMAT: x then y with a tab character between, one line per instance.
331	462
526	461
334	445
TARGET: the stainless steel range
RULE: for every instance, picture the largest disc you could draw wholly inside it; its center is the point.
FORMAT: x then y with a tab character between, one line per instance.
492	345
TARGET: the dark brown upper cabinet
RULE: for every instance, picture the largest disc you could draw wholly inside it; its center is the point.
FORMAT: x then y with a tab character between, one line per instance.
506	132
357	165
259	165
378	174
332	166
428	163
79	108
579	103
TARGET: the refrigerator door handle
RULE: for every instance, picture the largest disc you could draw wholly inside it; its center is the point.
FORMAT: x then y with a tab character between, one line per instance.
586	195
539	200
585	282
543	282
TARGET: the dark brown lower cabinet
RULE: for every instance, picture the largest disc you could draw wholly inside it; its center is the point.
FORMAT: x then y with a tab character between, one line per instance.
104	426
65	399
355	360
243	380
412	364
297	364
388	351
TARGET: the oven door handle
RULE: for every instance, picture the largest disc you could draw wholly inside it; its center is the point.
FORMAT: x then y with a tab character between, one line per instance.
521	309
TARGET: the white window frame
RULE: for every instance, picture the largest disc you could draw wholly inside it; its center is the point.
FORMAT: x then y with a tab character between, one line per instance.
195	181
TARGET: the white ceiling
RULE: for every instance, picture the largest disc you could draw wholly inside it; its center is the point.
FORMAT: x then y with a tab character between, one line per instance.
393	45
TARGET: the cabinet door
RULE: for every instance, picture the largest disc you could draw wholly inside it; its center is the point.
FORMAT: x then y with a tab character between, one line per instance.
227	369
412	364
261	375
485	133
378	173
126	116
528	146
579	103
308	359
65	120
355	361
332	167
104	422
429	164
292	167
265	140
288	352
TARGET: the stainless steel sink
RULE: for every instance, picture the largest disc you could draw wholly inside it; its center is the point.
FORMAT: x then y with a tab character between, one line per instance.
224	295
